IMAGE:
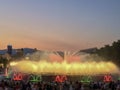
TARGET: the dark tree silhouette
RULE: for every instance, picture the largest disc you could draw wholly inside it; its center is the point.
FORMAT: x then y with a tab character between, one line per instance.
110	53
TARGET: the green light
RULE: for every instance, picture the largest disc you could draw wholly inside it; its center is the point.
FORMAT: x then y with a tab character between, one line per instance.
8	73
35	78
7	77
118	78
86	79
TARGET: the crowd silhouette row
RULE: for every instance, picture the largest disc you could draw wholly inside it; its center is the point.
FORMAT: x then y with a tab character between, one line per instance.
67	85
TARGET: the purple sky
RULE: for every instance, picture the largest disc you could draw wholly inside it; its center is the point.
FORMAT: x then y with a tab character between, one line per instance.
59	24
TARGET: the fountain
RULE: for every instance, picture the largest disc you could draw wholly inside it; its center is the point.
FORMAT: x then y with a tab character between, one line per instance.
70	64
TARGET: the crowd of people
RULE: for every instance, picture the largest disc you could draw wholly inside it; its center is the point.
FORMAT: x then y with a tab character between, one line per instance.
67	85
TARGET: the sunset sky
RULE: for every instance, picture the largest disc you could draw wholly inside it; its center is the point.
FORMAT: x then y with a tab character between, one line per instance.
59	24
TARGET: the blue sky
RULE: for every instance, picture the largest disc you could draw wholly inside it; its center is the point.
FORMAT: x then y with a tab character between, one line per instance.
59	24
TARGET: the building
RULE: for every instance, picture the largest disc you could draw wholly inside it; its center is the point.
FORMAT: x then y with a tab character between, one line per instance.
9	49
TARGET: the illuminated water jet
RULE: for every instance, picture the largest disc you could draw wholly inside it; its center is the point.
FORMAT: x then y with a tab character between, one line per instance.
65	68
64	63
35	78
61	78
86	79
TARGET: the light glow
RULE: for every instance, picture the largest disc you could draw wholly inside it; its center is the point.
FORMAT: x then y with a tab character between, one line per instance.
65	68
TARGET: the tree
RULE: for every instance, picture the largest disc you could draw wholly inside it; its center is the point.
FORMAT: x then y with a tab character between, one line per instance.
4	61
110	53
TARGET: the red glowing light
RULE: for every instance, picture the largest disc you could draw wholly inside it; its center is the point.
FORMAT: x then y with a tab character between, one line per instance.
17	76
107	78
60	78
